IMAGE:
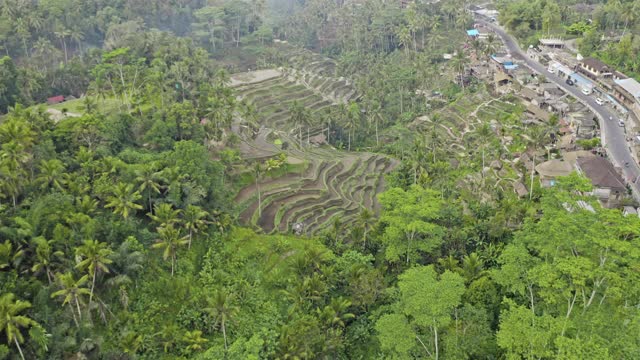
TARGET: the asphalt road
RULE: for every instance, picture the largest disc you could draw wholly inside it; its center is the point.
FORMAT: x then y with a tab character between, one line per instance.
613	135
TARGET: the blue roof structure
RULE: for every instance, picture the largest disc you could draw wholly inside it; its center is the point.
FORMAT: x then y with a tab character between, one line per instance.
510	66
581	81
473	32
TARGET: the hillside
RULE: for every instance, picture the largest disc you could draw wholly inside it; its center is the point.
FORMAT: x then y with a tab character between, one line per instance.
318	179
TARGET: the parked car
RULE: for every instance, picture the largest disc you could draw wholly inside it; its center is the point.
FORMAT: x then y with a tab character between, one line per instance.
620	123
599	101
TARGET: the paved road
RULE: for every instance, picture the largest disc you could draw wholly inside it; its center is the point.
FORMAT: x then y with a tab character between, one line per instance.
613	136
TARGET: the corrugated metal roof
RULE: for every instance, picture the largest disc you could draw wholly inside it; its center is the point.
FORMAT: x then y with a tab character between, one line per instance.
631	86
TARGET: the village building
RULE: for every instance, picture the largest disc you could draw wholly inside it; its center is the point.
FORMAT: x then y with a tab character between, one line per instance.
479	32
551	170
531	95
55	100
608	185
627	91
584	124
553	43
539	114
473	33
502	79
503	64
549	90
595	69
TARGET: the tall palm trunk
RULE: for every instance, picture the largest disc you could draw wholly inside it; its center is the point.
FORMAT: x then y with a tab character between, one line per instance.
532	174
48	275
93	284
73	314
26	48
15	339
435	334
364	245
259	198
78	307
64	46
224	334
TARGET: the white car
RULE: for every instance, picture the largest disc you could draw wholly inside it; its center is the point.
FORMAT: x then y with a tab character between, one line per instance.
586	91
599	101
620	123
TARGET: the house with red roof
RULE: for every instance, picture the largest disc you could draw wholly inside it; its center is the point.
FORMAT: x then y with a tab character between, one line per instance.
55	100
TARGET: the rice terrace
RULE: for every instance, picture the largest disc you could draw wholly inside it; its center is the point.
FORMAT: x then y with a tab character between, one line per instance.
328	184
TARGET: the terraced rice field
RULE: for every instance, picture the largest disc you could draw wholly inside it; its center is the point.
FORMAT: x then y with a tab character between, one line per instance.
273	98
307	78
333	184
338	185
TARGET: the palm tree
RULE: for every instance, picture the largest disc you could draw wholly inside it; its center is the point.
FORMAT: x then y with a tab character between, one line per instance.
375	115
94	258
336	228
404	37
22	30
491	45
45	257
459	62
164	214
71	292
8	256
535	139
484	132
472	267
308	122
366	220
450	263
257	170
194	341
51	174
353	120
11	321
11	183
416	158
124	200
62	35
194	219
45	53
169	240
222	309
335	314
297	117
477	47
127	259
18	131
89	105
77	35
222	220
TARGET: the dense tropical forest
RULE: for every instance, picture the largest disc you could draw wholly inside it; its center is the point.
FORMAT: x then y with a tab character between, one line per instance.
133	224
